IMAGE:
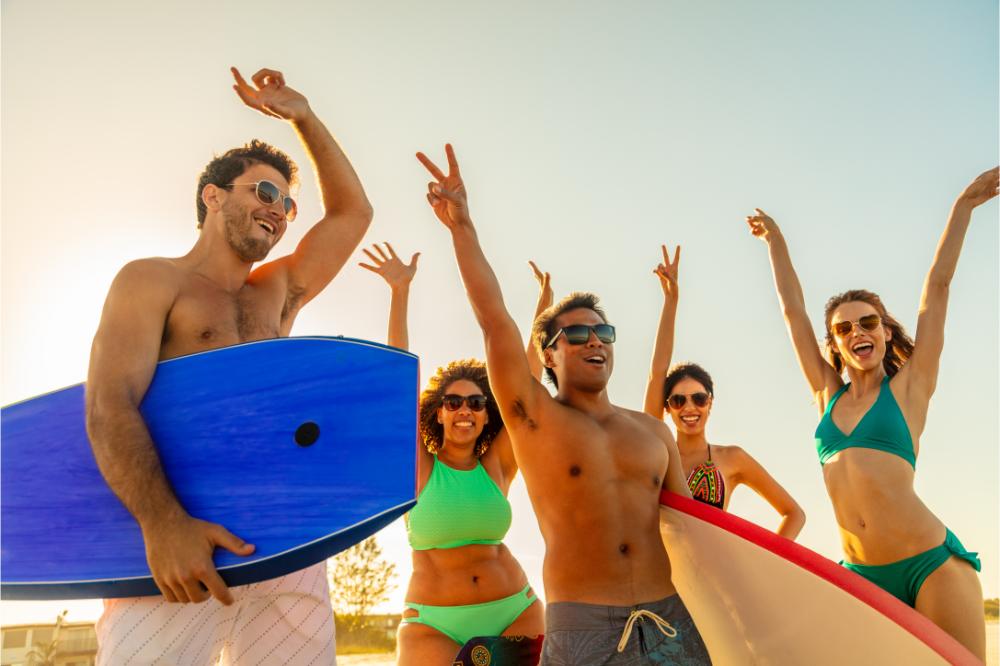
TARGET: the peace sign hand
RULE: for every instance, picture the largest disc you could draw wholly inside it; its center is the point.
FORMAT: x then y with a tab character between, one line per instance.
270	95
446	194
667	271
390	266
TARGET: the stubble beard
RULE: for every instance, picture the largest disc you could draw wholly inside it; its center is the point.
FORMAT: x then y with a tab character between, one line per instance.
239	225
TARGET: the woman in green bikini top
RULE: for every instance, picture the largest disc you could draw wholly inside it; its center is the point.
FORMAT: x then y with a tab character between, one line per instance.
868	437
465	582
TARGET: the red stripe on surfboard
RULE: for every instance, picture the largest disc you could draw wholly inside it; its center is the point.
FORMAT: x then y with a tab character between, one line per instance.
859	587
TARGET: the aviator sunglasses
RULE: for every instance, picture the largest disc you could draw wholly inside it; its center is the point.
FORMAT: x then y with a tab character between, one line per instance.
678	400
453	402
578	334
268	193
868	322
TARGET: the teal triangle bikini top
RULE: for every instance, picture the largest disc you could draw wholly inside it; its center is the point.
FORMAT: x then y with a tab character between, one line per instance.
882	428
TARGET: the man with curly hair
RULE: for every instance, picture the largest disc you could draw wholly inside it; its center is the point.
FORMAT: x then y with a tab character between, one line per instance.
591	468
161	308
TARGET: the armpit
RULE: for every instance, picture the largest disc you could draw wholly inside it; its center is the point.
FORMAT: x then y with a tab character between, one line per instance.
522	414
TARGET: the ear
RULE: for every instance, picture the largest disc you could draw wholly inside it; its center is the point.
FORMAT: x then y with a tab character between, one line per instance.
211	196
547	358
888	333
439	419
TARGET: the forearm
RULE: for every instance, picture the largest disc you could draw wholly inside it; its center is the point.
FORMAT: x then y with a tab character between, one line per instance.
128	460
792	523
340	187
786	282
949	247
480	281
398	306
663	351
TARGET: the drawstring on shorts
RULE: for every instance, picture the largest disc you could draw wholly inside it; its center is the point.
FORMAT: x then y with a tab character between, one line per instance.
661	624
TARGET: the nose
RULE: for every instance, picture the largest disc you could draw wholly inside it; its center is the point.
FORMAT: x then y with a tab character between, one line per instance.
593	340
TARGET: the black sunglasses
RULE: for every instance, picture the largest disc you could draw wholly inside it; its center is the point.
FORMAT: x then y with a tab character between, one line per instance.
453	402
578	334
268	193
678	400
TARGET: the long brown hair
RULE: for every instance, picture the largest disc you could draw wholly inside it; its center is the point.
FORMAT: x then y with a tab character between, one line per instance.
897	350
432	432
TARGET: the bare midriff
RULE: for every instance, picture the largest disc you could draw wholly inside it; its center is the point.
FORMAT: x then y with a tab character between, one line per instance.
881	519
465	575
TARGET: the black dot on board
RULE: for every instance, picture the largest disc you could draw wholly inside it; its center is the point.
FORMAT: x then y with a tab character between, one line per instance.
307	434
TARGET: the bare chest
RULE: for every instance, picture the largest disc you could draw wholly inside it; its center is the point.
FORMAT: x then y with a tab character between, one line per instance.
588	457
205	318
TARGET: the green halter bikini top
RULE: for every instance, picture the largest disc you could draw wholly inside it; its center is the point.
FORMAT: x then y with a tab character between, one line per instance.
458	508
882	428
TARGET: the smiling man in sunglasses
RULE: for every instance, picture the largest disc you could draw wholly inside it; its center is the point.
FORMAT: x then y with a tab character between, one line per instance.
594	471
209	298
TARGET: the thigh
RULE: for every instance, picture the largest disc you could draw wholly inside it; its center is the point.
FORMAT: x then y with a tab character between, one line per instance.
148	630
952	598
531	622
286	620
421	645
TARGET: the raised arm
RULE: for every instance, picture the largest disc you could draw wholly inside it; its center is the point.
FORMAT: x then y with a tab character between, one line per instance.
122	362
822	379
398	276
518	393
663	349
324	250
545	300
753	474
921	369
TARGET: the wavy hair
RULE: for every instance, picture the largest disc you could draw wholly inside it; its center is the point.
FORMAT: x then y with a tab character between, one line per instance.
897	350
432	397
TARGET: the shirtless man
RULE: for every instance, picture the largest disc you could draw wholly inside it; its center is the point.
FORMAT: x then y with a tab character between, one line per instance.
593	470
160	308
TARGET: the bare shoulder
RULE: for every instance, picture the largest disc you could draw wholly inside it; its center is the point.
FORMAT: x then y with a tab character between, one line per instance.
657	426
151	271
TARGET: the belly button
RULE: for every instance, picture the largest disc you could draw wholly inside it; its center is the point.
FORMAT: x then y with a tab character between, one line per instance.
623	549
475	579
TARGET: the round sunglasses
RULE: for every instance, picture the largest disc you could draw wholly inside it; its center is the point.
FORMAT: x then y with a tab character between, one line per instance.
268	193
678	400
453	402
869	323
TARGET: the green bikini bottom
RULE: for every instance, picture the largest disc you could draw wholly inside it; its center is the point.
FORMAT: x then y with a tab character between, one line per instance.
903	579
463	623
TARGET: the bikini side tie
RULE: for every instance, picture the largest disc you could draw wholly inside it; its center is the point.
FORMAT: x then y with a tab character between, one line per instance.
661	624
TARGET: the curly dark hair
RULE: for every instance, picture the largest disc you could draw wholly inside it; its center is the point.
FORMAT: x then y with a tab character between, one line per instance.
687	371
432	432
898	349
224	169
544	326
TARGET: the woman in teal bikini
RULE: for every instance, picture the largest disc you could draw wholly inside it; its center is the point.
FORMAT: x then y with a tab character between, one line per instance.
686	392
465	582
869	430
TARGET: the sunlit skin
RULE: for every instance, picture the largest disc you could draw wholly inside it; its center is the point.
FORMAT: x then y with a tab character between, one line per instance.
475	573
213	296
736	465
881	518
591	468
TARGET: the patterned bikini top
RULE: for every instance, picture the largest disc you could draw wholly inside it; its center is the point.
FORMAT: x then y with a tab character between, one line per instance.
707	483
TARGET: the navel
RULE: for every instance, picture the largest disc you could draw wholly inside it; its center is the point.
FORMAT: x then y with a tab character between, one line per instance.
574	470
623	549
656	481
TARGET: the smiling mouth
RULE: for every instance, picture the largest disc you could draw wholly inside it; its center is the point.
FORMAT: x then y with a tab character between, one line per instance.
863	349
596	360
690	419
266	226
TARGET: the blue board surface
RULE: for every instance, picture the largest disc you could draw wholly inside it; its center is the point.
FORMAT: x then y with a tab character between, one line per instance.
300	446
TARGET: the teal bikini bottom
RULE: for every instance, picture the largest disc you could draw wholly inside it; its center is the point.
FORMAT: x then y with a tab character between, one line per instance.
463	623
903	579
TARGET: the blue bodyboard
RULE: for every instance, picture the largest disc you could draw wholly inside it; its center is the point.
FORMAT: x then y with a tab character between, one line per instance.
300	446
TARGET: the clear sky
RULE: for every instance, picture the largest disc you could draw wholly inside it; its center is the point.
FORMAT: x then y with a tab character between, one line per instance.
589	133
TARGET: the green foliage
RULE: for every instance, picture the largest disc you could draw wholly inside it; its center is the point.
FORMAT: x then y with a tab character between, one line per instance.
991	609
360	580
